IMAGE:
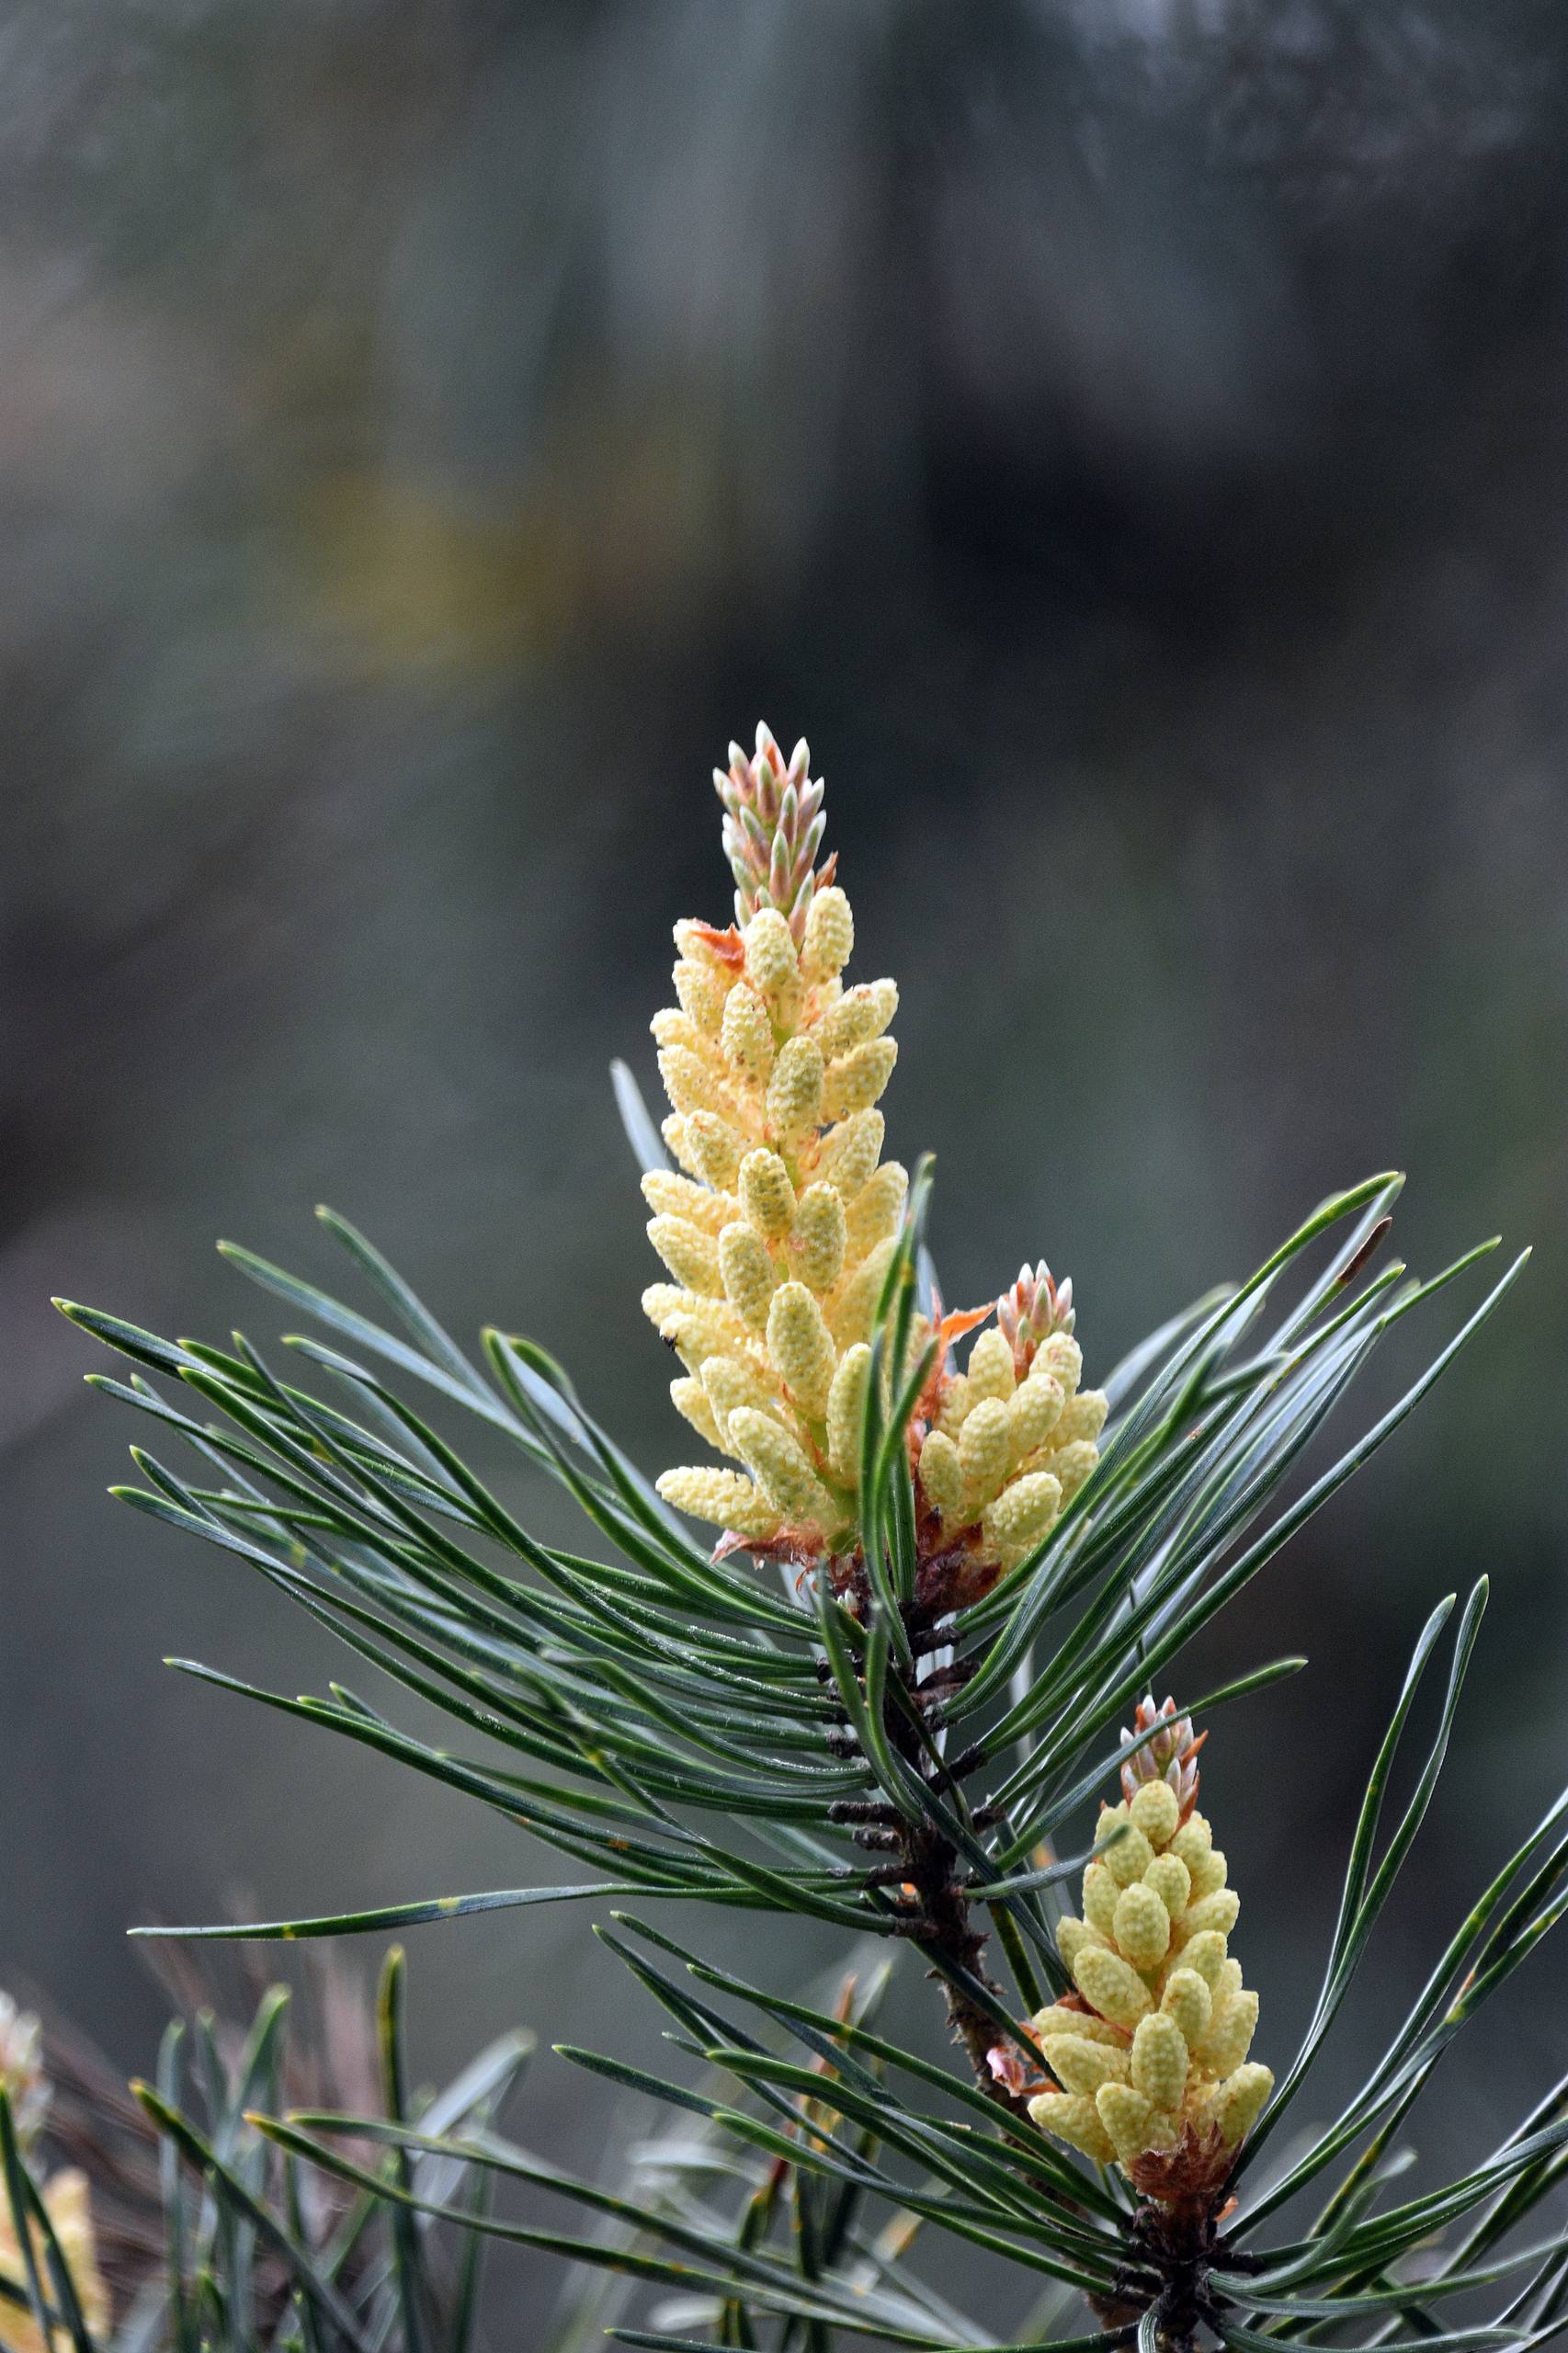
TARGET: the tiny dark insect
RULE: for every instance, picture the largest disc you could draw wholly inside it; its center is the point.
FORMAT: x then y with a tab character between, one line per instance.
1348	1272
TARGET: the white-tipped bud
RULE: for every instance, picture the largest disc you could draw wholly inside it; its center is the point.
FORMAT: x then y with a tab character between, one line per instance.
748	1274
804	1355
746	1035
767	1194
817	1244
856	1080
795	1090
830	935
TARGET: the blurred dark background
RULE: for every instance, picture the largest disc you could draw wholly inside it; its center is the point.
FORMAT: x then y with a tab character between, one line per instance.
1128	438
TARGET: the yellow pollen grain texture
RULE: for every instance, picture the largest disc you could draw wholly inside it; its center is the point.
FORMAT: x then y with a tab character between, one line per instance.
1155	1809
1072	1466
1141	1927
982	1449
747	1272
691	1401
688	1081
855	1080
941	1473
723	1498
726	1383
1080	2066
802	1352
849	1152
1083	1417
747	1032
1167	1875
845	1402
671	1196
876	1209
860	1013
817	1244
854	1306
1130	1858
715	1148
691	1256
1021	1515
1110	1985
1163	2045
1074	2118
772	966
1033	1414
1160	2060
767	1194
1100	1896
778	1464
701	996
830	935
795	1090
991	1367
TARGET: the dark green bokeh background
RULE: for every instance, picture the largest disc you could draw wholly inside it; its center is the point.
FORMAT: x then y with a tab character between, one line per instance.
1128	440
